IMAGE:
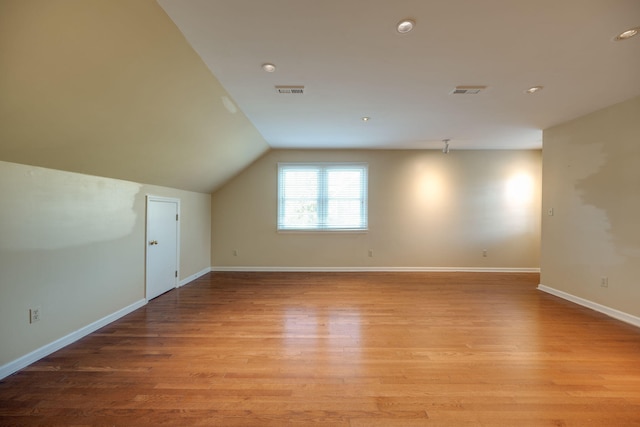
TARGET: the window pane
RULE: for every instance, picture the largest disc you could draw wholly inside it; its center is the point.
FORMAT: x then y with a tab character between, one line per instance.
300	214
301	184
344	213
344	183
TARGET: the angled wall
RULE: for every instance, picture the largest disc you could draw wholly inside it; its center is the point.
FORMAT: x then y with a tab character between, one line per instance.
74	245
111	88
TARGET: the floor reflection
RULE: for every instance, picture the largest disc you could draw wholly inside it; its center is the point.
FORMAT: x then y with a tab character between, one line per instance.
330	338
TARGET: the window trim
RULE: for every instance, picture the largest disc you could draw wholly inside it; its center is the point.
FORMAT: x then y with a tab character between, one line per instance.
322	201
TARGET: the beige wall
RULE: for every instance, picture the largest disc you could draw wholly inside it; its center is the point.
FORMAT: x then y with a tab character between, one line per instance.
426	209
592	181
75	246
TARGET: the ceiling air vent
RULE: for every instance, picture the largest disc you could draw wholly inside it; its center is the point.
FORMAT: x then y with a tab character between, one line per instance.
467	90
290	90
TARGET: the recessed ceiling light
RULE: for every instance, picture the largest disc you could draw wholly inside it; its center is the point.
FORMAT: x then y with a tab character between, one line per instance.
405	26
366	119
627	34
534	89
269	68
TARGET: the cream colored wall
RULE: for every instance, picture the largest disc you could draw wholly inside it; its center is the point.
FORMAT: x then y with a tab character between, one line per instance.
426	209
75	246
591	180
112	88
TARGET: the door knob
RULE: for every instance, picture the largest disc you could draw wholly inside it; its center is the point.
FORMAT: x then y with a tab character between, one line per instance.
153	242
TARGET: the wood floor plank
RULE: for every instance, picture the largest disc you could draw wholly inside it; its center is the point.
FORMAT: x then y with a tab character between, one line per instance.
341	349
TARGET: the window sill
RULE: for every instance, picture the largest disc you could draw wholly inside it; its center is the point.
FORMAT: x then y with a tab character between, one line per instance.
312	231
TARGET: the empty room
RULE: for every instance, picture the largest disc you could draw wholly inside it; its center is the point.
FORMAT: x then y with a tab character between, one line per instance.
320	213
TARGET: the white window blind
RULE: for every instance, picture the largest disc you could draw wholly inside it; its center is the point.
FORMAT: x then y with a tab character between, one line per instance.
322	196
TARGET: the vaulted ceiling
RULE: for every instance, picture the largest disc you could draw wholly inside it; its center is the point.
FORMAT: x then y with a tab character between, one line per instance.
171	92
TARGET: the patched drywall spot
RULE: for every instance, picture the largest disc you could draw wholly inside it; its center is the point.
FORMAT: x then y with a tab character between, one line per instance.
614	191
46	209
587	225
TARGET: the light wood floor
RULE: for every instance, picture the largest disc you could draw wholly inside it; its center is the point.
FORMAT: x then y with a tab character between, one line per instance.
311	349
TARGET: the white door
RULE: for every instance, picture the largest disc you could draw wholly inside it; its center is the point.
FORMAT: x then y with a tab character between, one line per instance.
162	245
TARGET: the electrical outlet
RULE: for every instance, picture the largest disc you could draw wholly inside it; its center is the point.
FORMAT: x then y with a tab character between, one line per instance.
370	252
235	252
604	282
484	253
34	314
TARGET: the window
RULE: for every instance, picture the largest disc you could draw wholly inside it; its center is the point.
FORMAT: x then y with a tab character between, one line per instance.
322	196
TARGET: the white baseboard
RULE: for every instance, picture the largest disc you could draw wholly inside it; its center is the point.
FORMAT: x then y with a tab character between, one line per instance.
376	269
611	312
56	345
194	277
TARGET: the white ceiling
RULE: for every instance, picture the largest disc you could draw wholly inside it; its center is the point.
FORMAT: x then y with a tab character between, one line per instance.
353	63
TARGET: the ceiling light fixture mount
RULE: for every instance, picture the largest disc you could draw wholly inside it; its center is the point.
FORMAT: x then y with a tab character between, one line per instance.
269	68
405	26
534	89
626	35
366	119
445	150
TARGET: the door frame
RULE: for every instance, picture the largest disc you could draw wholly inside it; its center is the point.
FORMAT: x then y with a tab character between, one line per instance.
152	198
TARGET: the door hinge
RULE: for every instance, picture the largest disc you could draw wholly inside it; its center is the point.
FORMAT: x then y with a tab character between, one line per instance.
176	273
176	217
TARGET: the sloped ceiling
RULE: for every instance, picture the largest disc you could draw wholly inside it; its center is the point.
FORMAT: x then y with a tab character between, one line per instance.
353	63
171	92
111	88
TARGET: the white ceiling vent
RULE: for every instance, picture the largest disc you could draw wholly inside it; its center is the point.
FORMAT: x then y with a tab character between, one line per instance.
290	90
467	90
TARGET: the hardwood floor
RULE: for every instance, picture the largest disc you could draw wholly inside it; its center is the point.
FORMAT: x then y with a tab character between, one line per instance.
335	349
